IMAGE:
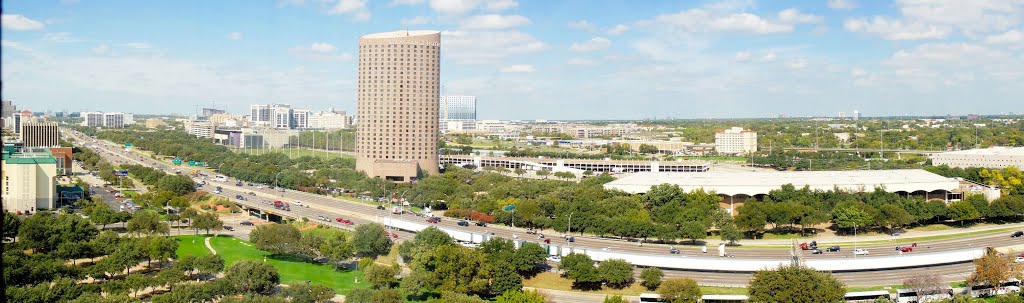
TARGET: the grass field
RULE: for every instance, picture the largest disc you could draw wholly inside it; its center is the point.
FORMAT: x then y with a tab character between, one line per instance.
292	271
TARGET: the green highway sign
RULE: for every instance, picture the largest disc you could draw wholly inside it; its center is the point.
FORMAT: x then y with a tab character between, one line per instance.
509	207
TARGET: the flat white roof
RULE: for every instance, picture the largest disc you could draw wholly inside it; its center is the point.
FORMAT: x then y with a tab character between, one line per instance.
753	183
724	297
400	34
991	151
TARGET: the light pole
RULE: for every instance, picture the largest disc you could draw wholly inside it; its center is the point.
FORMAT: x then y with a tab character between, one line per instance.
570	224
854	240
275	182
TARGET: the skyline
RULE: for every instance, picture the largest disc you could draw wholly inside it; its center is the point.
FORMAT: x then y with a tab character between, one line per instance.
706	59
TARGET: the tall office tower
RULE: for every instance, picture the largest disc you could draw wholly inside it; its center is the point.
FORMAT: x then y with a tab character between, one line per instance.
92	119
259	113
7	108
113	120
458	113
396	133
40	134
856	115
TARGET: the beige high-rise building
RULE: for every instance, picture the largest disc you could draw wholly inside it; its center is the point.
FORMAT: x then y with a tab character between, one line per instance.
396	131
45	134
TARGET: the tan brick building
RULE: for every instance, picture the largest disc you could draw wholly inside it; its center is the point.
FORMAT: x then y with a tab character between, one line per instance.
397	122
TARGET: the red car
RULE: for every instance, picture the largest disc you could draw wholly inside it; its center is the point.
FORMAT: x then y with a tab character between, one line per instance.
394	236
905	248
434	220
346	222
548	241
338	219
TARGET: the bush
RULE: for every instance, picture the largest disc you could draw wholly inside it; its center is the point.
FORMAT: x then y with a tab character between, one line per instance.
365	263
206	207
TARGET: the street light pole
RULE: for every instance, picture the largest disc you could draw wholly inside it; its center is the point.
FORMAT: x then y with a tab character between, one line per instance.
275	183
570	224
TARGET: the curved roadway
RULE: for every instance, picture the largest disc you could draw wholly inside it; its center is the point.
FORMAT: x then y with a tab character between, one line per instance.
360	213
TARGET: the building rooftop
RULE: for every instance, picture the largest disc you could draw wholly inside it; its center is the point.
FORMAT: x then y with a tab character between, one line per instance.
35	155
991	151
401	34
754	183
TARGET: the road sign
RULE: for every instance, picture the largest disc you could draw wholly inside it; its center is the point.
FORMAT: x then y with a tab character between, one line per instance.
509	207
176	161
127	144
191	163
120	173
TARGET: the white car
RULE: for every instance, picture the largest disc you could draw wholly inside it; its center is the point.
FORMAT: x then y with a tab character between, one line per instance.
860	251
297	203
554	258
1019	259
259	186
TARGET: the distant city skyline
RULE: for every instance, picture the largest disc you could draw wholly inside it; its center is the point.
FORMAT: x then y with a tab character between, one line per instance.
556	60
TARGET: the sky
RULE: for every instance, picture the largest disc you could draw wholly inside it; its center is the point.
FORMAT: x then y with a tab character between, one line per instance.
527	59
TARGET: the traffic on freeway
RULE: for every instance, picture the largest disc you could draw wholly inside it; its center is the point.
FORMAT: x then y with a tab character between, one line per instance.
314	206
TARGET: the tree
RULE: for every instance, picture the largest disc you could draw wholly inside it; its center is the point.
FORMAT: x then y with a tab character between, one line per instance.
730	233
207	221
580	269
210	264
993	269
11	224
851	215
276	238
519	172
617	273
305	293
189	214
962	211
251	276
543	173
529	296
505	278
891	216
380	276
651	277
104	215
680	290
795	283
452	268
180	185
614	299
925	283
371	240
693	230
147	222
528	257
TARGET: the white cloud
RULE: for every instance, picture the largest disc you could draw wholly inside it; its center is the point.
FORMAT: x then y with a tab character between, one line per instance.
970	16
768	57
356	9
1012	36
893	29
136	45
518	68
596	43
14	45
798	63
493	21
842	4
61	37
415	21
858	73
235	36
500	5
704	20
405	2
320	51
742	56
792	15
19	23
580	61
583	25
618	30
101	49
487	47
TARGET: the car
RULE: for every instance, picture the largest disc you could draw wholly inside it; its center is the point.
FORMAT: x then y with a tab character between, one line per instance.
481	224
673	250
394	235
381	207
463	223
434	220
1017	234
896	233
246	223
347	222
547	241
530	231
904	248
805	246
297	203
338	219
833	248
259	186
816	251
555	259
322	218
248	184
860	252
239	197
229	228
570	239
252	193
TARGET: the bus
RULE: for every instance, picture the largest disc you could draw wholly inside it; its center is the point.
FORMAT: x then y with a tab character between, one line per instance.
909	296
867	296
724	298
981	291
649	297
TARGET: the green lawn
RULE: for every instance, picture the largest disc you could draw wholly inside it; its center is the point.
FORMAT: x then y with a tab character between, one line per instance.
191	245
292	271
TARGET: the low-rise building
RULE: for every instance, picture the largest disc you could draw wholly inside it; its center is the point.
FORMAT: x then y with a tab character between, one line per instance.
735	141
994	157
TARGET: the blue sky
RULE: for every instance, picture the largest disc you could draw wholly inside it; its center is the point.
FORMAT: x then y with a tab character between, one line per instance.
528	59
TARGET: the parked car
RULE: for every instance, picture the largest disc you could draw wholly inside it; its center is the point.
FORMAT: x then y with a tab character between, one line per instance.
860	252
463	223
833	248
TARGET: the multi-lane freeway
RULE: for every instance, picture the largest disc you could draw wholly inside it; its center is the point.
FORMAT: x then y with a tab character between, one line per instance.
360	213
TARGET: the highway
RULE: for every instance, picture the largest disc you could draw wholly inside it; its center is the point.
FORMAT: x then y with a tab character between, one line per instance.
361	213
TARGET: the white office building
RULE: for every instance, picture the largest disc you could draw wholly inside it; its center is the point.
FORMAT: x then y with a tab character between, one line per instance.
300	118
92	119
735	141
457	113
259	113
330	120
281	116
